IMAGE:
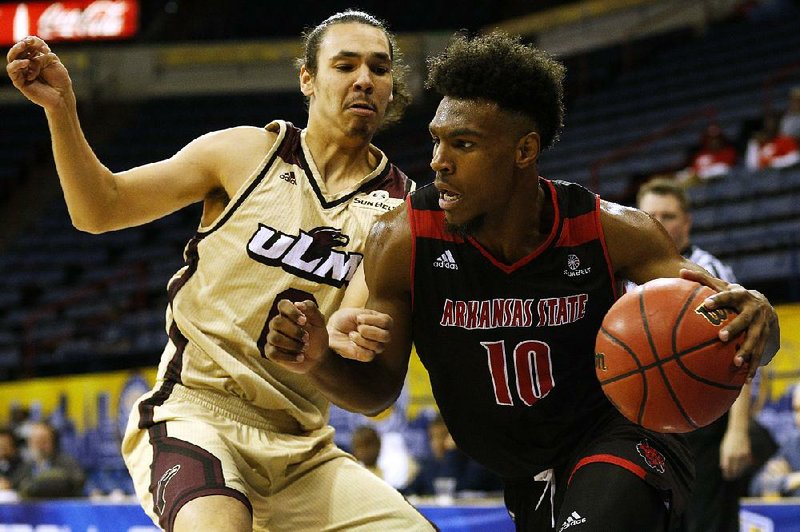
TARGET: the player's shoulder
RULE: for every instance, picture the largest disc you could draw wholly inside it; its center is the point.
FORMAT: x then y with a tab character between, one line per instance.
238	139
392	232
393	223
231	154
617	217
389	246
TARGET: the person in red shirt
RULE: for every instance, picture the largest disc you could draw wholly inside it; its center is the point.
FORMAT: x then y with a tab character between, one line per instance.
769	148
716	155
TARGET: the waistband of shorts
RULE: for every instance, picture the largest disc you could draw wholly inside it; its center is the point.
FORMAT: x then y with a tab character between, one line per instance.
239	410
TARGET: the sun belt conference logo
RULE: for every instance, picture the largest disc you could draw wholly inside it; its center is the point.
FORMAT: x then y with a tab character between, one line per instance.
574	266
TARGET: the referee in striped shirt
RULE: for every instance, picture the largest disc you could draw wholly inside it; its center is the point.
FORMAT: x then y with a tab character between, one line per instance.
722	449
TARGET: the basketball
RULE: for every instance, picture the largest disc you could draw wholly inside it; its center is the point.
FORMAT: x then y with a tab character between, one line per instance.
659	358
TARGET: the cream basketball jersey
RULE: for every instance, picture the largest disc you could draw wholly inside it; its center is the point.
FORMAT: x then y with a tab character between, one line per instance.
281	236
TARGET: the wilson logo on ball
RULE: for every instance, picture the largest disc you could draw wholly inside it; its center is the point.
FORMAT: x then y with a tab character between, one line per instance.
715	317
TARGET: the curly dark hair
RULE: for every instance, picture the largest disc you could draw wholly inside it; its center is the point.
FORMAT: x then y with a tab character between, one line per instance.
312	38
499	68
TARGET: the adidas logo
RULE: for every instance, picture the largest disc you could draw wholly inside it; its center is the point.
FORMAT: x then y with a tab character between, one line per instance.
446	261
288	177
572	519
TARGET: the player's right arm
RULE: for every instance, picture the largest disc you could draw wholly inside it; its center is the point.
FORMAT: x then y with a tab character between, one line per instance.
387	271
371	378
101	200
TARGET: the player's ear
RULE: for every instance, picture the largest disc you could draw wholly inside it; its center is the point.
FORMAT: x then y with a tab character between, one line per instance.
528	149
306	82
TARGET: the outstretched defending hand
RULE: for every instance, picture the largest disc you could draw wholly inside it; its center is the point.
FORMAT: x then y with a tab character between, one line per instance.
299	341
38	73
756	316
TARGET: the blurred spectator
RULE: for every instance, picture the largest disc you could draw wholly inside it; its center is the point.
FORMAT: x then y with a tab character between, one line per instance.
10	461
790	121
446	461
49	472
769	148
22	419
366	446
714	158
780	477
384	454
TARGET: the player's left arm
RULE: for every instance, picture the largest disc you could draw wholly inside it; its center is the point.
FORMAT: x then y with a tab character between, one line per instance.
641	250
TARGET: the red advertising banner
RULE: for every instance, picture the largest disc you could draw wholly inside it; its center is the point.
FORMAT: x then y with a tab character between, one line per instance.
69	21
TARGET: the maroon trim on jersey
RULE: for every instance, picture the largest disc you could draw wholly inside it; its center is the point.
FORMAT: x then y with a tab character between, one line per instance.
615	286
181	472
511	268
219	222
192	259
172	375
395	182
608	459
171	378
391	179
290	146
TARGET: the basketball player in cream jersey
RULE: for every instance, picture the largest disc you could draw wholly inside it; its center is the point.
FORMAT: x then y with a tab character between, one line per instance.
228	439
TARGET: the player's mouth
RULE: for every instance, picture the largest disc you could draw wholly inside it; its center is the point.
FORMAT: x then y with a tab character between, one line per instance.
447	198
362	108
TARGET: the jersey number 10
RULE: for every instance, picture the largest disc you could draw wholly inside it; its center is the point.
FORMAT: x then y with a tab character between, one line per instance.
533	371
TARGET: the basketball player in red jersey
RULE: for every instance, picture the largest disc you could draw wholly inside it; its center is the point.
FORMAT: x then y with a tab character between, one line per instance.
501	279
229	440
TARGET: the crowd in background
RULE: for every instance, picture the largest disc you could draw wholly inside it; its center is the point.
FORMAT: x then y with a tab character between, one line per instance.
33	465
774	144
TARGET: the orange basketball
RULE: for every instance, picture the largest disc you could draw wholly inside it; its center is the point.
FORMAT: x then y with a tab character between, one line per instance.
660	361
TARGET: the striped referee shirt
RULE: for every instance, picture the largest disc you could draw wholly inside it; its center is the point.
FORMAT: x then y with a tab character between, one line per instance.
710	263
704	259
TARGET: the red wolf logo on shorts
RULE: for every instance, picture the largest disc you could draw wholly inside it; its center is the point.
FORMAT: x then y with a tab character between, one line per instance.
652	457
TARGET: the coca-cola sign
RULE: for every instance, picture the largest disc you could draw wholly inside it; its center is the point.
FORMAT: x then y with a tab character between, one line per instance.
69	21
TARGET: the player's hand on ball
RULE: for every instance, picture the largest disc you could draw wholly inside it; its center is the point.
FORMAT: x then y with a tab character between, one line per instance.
297	337
358	333
756	317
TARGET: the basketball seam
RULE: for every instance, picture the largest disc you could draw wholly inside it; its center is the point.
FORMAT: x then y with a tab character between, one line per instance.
638	365
662	361
659	366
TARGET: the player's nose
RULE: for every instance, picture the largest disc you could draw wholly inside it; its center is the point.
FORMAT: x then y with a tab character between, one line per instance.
363	80
439	162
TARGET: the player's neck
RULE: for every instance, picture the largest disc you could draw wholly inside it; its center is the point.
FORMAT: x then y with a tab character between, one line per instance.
521	228
341	160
